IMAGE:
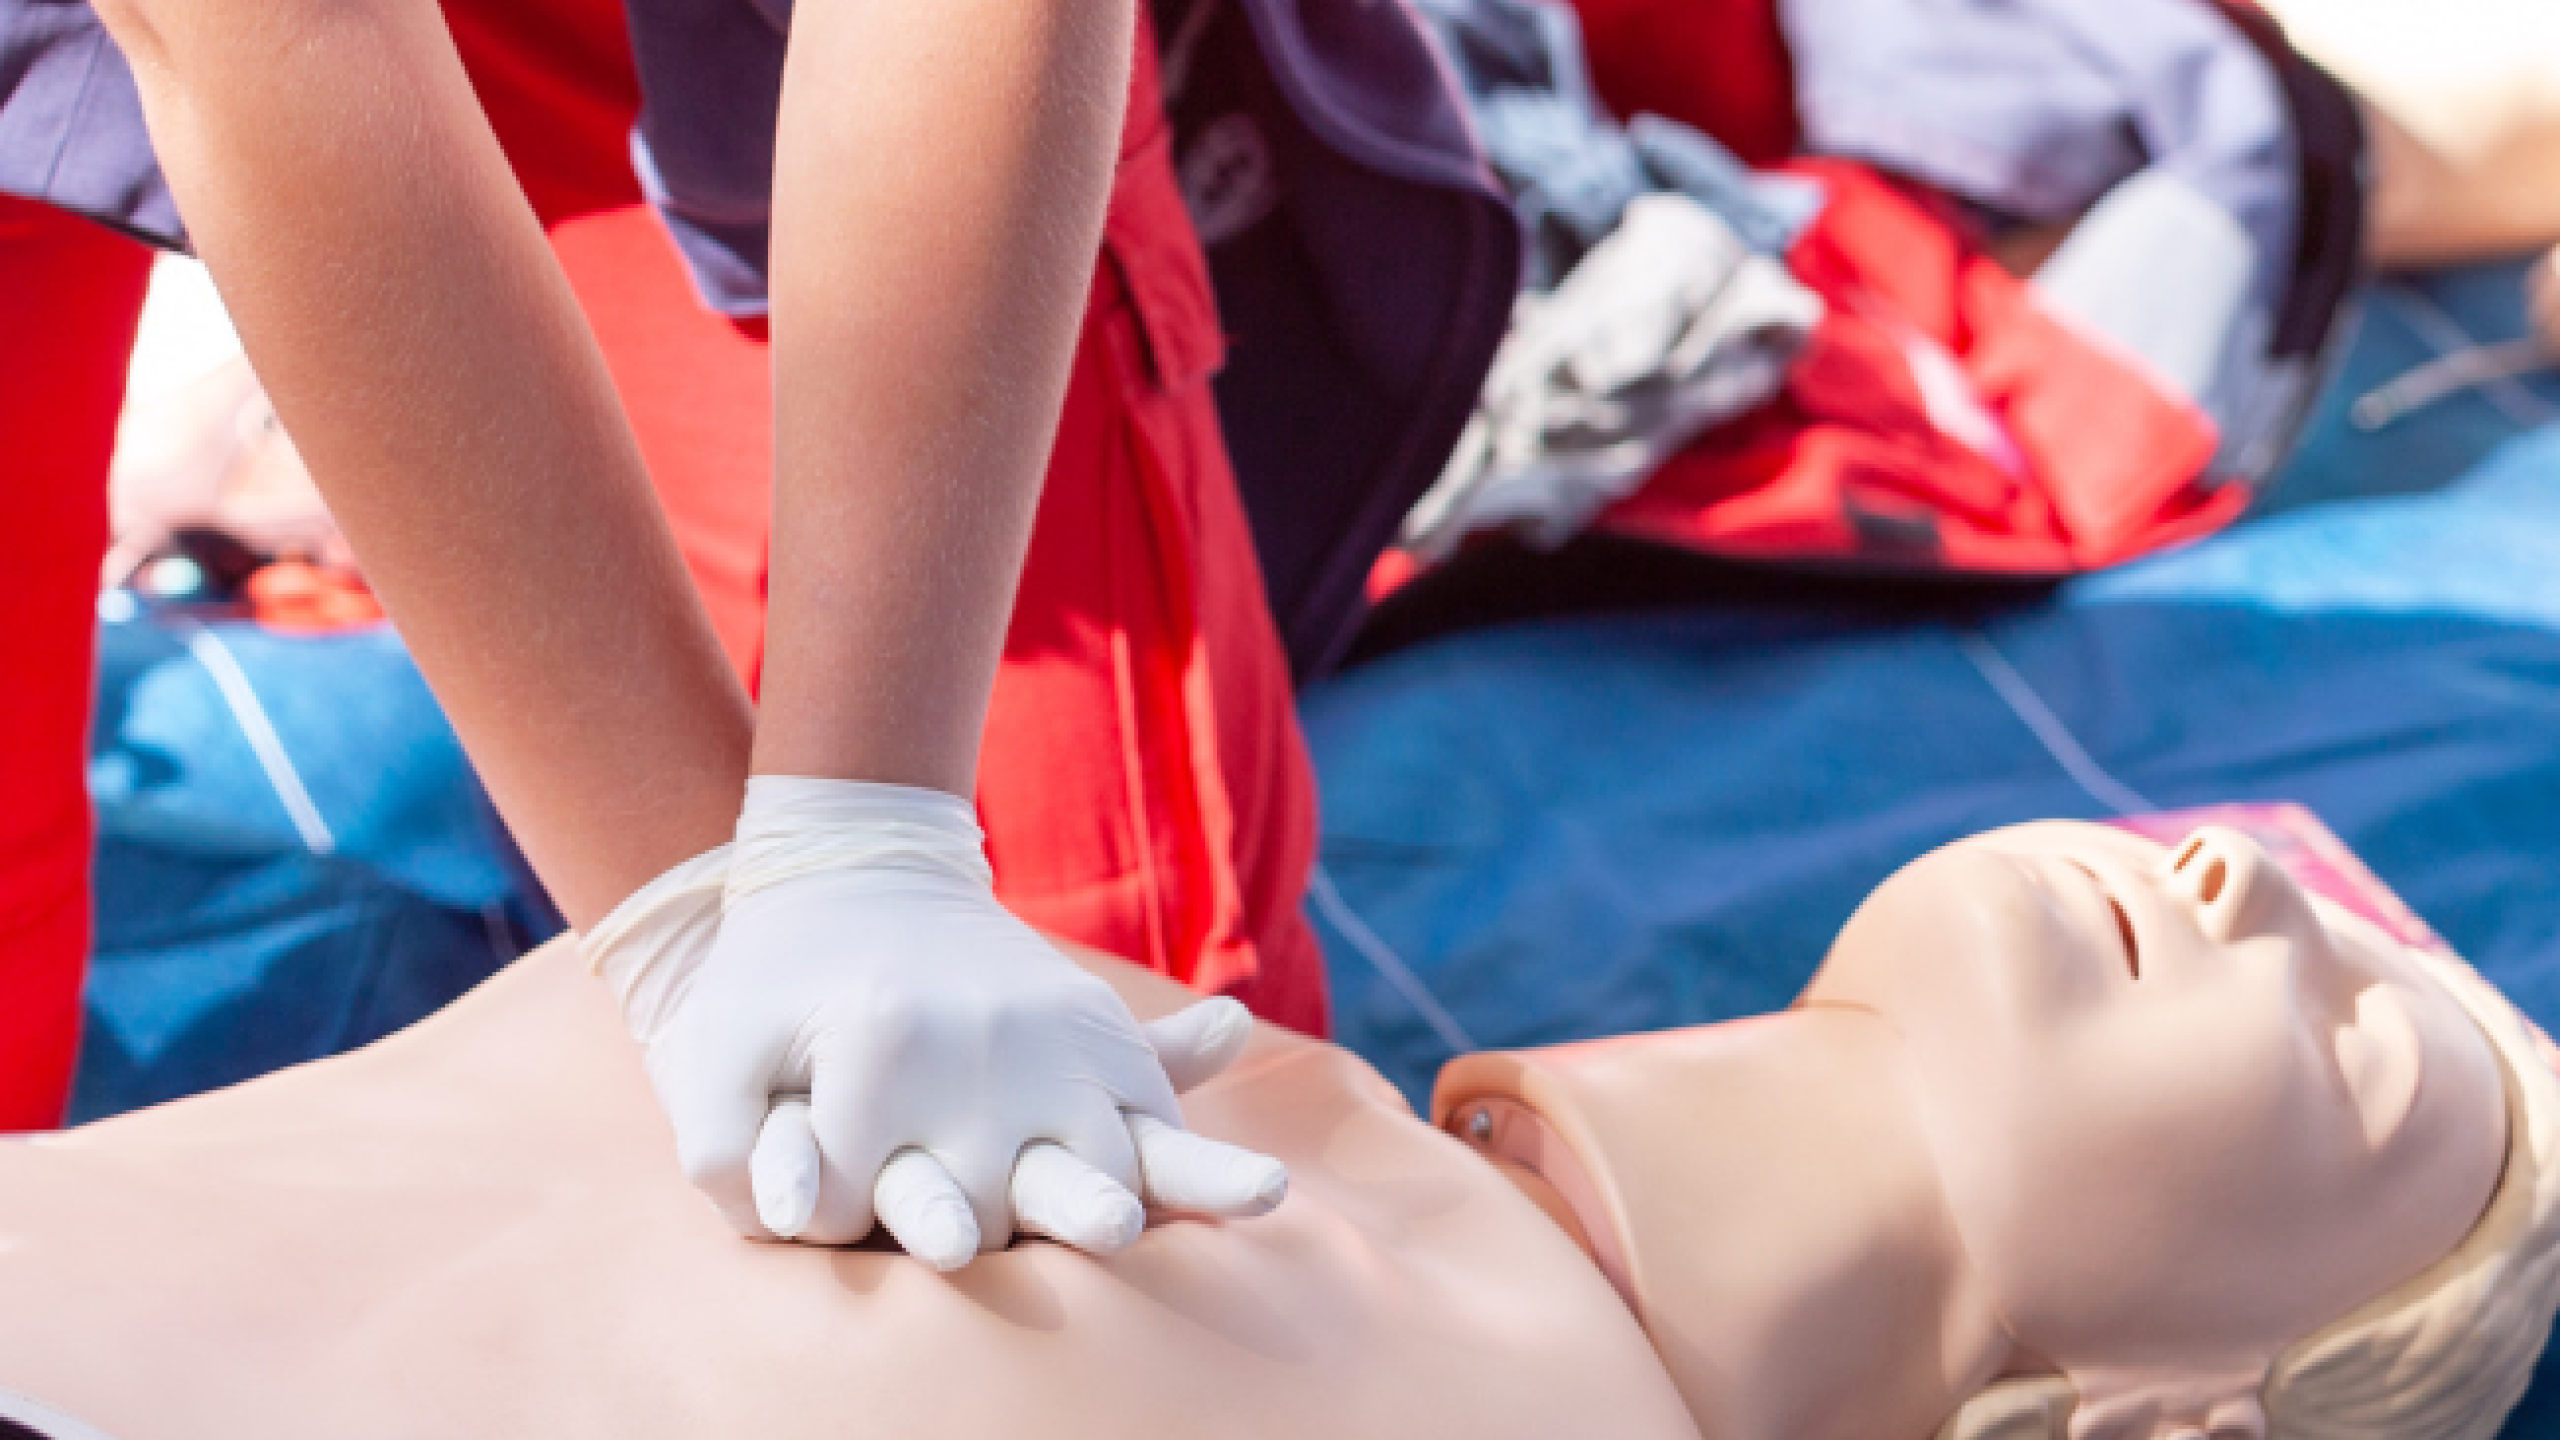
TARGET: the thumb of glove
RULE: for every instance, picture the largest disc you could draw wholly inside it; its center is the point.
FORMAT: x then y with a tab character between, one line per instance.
1197	1042
1189	1172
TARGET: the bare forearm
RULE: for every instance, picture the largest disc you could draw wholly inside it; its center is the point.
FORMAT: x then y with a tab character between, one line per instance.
939	192
418	339
2496	194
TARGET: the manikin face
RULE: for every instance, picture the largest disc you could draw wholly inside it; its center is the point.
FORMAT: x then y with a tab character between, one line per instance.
2185	1114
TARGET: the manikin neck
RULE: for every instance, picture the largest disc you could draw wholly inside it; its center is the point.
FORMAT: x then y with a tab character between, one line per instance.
1763	1195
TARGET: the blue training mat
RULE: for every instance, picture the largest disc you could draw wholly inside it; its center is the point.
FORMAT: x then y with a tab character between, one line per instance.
1572	828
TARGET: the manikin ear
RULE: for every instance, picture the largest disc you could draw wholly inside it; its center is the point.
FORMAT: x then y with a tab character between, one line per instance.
2380	1054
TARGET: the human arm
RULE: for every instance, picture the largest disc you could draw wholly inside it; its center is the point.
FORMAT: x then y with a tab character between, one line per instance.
2445	194
394	291
2482	182
933	248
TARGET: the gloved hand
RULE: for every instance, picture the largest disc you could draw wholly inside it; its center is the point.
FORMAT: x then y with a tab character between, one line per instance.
843	1024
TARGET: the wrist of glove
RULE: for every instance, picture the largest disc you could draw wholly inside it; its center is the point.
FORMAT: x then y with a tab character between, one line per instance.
845	1027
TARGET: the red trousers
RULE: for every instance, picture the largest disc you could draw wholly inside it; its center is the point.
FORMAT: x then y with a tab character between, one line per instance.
1143	785
70	294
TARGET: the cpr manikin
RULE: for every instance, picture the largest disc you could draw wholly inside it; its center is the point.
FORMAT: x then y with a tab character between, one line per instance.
1980	1179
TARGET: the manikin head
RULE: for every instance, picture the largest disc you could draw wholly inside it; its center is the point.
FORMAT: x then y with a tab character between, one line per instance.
2210	1157
2184	1114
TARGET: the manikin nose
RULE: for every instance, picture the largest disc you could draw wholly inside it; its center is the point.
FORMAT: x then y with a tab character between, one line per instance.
2221	873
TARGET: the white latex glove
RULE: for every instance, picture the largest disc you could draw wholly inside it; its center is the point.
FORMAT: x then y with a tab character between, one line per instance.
851	1028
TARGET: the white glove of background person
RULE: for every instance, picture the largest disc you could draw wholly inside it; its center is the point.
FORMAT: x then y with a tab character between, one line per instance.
871	1034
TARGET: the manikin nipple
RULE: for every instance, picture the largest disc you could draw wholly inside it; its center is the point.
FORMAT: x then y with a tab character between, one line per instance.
2120	1406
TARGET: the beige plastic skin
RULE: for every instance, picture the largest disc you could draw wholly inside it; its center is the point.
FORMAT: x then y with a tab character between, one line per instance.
2059	1100
1762	1194
477	1228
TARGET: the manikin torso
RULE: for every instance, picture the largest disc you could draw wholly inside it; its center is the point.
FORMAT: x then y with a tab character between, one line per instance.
1838	1221
477	1229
